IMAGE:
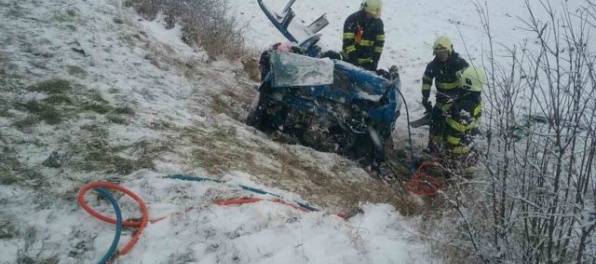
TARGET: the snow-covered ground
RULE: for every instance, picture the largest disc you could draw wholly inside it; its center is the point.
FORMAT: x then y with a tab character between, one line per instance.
139	105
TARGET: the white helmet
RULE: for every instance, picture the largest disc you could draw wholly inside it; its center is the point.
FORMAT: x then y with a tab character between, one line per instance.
472	79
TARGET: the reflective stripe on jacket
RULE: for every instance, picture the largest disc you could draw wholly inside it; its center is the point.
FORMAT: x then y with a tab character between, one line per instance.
443	73
464	116
363	40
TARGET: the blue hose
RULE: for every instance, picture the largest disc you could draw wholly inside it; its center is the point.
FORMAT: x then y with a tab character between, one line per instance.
192	178
247	188
112	249
409	132
255	190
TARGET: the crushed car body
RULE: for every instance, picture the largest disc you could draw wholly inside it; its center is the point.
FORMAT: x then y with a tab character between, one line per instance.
325	103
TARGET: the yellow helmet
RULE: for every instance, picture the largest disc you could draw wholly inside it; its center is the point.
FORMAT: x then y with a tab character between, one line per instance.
442	43
373	6
472	79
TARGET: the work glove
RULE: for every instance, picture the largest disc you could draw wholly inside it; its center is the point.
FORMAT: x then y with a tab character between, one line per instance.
393	73
345	56
427	105
383	73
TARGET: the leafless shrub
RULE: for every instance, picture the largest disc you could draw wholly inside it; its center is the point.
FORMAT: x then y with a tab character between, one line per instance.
205	22
536	203
148	9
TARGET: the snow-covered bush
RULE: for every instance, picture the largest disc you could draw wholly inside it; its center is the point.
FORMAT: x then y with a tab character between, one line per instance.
536	199
207	23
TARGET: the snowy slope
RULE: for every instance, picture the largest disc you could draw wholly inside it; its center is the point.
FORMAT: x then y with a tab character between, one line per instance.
135	104
142	105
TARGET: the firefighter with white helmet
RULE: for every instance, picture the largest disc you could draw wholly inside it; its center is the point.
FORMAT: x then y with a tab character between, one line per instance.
466	110
364	36
462	121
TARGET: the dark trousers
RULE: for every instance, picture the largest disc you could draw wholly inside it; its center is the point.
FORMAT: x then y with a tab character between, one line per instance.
436	131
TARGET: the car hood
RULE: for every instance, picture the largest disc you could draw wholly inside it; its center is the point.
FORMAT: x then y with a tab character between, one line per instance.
324	78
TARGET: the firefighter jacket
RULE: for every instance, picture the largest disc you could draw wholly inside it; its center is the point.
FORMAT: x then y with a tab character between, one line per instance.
462	122
445	78
363	40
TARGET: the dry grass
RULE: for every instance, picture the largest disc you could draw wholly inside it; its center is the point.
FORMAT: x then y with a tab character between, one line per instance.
52	86
77	71
4	111
50	109
65	101
99	155
58	99
33	250
148	9
9	168
13	172
439	212
40	111
8	228
223	151
234	101
160	125
250	65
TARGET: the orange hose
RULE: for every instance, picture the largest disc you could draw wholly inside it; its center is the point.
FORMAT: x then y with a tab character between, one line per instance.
141	225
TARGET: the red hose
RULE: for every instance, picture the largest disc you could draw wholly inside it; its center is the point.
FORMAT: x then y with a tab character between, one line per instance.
254	200
238	201
422	184
291	205
145	218
141	225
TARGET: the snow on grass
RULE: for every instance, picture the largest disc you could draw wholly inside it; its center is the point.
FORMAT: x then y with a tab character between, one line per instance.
142	105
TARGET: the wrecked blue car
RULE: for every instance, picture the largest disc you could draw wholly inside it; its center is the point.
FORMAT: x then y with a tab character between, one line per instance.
323	102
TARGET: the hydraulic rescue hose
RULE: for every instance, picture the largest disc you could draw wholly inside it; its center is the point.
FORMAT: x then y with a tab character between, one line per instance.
278	198
247	188
102	187
254	200
118	213
421	183
409	131
141	225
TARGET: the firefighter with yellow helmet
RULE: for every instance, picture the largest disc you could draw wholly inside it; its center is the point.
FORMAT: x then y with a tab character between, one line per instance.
442	69
364	36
